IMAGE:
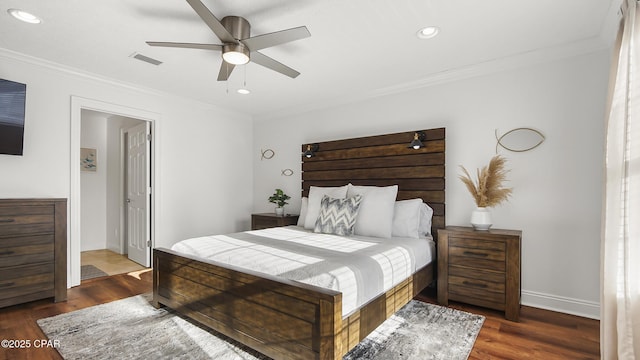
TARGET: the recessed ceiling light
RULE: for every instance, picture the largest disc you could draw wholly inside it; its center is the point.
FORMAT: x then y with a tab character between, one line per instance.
428	32
24	16
244	91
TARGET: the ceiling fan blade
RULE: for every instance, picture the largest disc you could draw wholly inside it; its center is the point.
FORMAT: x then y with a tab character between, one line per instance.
225	71
276	38
186	45
274	65
211	21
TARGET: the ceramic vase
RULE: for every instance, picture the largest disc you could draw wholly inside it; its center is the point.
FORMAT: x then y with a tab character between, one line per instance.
280	210
481	218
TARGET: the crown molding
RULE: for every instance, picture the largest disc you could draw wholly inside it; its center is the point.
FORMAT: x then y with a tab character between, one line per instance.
525	59
32	60
11	55
602	41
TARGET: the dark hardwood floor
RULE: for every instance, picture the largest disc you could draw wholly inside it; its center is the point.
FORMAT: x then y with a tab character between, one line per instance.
540	334
18	322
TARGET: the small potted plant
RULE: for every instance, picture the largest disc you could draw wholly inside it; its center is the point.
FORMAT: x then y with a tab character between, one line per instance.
487	191
280	199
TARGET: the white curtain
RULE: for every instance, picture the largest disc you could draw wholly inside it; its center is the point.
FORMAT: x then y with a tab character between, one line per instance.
620	300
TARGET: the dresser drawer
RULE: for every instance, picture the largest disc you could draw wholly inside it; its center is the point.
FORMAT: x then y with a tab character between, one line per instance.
471	273
475	284
477	263
22	280
26	220
26	240
24	255
477	296
477	254
478	246
485	285
10	211
25	250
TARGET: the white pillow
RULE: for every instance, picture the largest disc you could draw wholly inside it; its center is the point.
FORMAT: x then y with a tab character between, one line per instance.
406	218
426	213
315	196
303	211
375	217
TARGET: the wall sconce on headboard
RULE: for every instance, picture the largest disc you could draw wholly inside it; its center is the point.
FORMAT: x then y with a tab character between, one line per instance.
418	138
311	150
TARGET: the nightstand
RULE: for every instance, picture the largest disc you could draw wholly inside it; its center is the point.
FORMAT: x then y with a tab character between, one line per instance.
480	268
267	220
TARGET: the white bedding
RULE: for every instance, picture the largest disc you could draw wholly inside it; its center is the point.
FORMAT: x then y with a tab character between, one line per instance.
359	267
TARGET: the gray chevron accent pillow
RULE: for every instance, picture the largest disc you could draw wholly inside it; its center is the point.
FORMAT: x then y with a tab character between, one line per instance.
338	216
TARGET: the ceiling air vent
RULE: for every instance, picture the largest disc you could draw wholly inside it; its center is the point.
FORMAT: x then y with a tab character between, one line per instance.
146	59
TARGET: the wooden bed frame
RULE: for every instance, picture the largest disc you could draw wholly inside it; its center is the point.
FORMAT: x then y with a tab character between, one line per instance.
285	319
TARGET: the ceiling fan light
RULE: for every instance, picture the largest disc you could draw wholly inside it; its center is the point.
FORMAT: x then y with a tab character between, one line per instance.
236	54
235	58
244	91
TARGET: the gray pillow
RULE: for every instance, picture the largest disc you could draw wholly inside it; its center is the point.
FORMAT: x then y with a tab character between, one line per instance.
338	216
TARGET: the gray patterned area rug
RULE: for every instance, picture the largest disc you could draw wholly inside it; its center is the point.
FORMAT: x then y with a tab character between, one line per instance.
133	329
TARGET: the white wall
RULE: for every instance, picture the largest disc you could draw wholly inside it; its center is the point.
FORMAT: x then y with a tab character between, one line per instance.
94	184
209	185
557	186
204	158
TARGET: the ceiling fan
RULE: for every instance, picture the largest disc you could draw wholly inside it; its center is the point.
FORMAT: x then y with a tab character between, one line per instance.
238	47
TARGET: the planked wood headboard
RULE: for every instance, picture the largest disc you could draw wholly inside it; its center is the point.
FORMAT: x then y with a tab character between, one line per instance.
384	160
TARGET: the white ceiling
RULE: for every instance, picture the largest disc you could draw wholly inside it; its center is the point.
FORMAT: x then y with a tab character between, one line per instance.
357	48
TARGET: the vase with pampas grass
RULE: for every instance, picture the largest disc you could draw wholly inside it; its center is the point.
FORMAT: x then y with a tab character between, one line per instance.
487	190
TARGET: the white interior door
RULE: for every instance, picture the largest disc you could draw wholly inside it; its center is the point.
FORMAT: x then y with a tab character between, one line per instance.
138	194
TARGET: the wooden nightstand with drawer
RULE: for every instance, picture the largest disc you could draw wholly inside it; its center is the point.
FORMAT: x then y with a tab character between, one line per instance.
267	220
480	268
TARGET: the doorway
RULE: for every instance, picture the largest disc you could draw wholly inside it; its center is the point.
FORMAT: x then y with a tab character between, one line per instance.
115	193
120	222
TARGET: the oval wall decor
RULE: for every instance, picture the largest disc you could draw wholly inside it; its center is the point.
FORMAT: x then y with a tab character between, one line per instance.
287	172
519	139
267	154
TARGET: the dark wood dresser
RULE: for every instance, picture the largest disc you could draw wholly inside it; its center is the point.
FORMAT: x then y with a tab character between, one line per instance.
33	250
267	220
480	268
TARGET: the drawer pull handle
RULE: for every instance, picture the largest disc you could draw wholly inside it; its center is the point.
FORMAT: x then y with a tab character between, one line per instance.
469	283
473	253
7	220
5	285
8	252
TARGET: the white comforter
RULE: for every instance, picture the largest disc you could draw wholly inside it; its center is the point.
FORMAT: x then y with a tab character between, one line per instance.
359	267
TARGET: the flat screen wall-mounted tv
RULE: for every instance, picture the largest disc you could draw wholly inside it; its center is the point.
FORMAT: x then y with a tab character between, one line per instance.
12	105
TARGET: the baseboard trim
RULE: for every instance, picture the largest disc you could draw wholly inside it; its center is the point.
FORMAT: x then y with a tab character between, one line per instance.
588	309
